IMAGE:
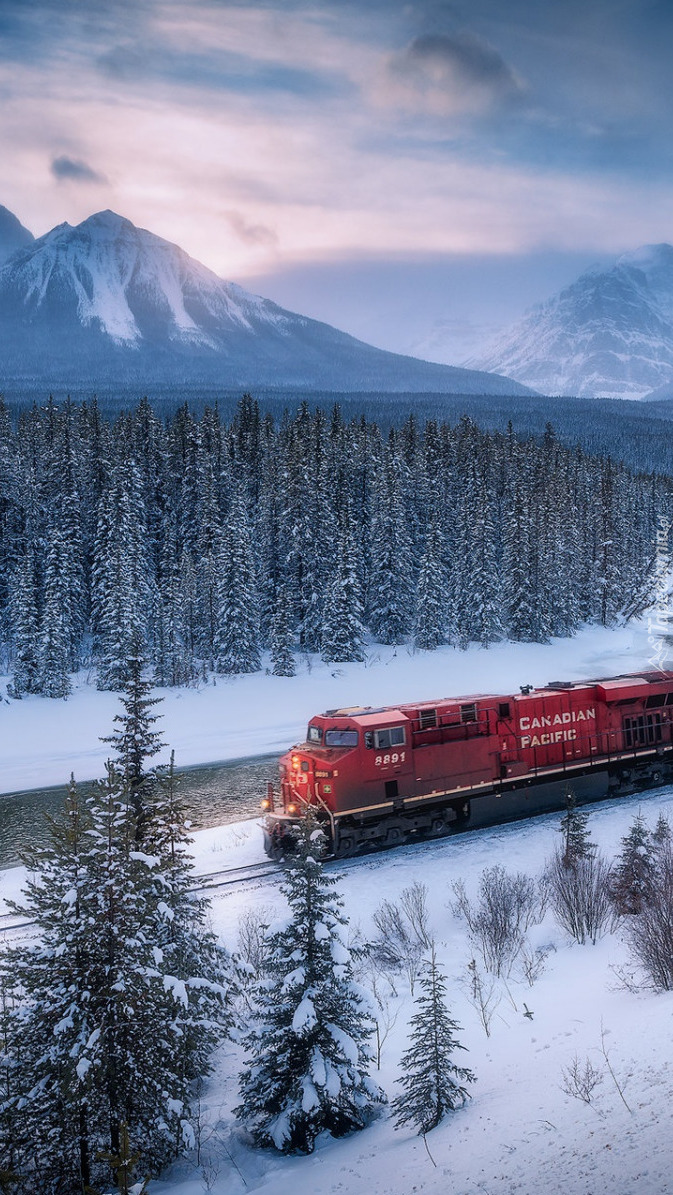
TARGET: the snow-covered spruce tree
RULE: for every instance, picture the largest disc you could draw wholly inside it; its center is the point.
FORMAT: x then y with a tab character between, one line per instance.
577	842
190	953
633	872
134	739
121	580
25	628
343	632
237	647
308	1047
281	637
431	617
106	1035
56	633
390	599
433	1084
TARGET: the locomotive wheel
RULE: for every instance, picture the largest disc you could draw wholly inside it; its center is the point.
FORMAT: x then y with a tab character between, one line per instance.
394	836
656	776
346	846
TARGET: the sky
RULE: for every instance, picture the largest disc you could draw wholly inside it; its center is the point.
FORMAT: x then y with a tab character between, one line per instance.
414	173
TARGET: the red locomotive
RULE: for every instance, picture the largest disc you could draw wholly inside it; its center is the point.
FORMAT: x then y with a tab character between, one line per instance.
378	777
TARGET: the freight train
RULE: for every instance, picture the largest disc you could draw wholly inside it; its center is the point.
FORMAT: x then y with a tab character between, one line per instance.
379	777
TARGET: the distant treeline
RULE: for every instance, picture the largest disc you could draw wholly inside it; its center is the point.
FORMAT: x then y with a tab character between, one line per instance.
206	543
636	433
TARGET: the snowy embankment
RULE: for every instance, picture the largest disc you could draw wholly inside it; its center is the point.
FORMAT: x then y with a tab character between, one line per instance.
43	740
521	1132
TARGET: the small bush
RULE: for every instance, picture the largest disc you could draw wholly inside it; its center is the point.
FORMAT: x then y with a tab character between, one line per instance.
579	895
402	935
650	933
507	905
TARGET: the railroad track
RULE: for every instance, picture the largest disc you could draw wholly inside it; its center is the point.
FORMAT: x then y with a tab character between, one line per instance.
228	877
236	875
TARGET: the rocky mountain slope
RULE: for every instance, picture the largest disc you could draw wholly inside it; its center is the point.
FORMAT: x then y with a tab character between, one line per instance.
106	301
13	235
610	333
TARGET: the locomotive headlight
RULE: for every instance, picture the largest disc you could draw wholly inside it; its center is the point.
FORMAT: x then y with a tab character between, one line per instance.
295	762
265	803
292	808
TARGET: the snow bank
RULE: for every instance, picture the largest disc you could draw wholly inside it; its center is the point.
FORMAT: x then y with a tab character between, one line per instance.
43	740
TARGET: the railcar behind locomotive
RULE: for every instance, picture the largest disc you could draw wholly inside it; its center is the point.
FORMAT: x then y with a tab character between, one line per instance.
379	777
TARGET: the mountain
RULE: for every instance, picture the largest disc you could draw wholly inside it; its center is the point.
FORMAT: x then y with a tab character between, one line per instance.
108	302
13	235
610	333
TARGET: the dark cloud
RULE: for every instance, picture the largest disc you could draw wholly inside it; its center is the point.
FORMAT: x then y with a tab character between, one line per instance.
455	64
122	61
251	234
73	170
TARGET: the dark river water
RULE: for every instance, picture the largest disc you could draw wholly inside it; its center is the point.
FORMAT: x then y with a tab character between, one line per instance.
214	795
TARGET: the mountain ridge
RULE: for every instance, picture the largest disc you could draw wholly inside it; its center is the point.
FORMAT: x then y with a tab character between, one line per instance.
105	299
608	334
13	235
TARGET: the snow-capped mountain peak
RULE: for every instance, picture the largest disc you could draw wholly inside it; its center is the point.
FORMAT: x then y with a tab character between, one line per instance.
609	333
115	272
13	235
108	302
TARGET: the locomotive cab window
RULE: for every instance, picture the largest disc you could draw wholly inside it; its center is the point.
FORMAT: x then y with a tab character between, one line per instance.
503	709
391	737
314	734
341	738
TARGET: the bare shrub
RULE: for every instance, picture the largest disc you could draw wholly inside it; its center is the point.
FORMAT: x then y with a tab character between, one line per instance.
650	934
507	905
533	962
252	941
414	905
581	1079
482	995
580	895
385	1021
402	934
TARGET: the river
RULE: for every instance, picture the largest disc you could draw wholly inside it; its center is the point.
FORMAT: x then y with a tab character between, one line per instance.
213	794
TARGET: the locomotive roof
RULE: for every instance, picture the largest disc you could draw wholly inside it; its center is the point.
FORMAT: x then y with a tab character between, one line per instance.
608	684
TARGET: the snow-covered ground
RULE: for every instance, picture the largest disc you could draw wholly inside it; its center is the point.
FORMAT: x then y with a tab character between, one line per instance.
521	1132
43	740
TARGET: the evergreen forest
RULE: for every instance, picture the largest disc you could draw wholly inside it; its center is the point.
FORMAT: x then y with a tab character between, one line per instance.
224	546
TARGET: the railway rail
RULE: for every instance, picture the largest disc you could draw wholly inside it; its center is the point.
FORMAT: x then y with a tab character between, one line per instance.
227	877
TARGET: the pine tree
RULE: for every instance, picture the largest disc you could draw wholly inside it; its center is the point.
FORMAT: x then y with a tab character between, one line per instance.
237	647
633	873
108	1036
342	631
433	1084
310	1061
56	633
135	741
121	580
191	953
577	843
25	623
431	616
281	639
